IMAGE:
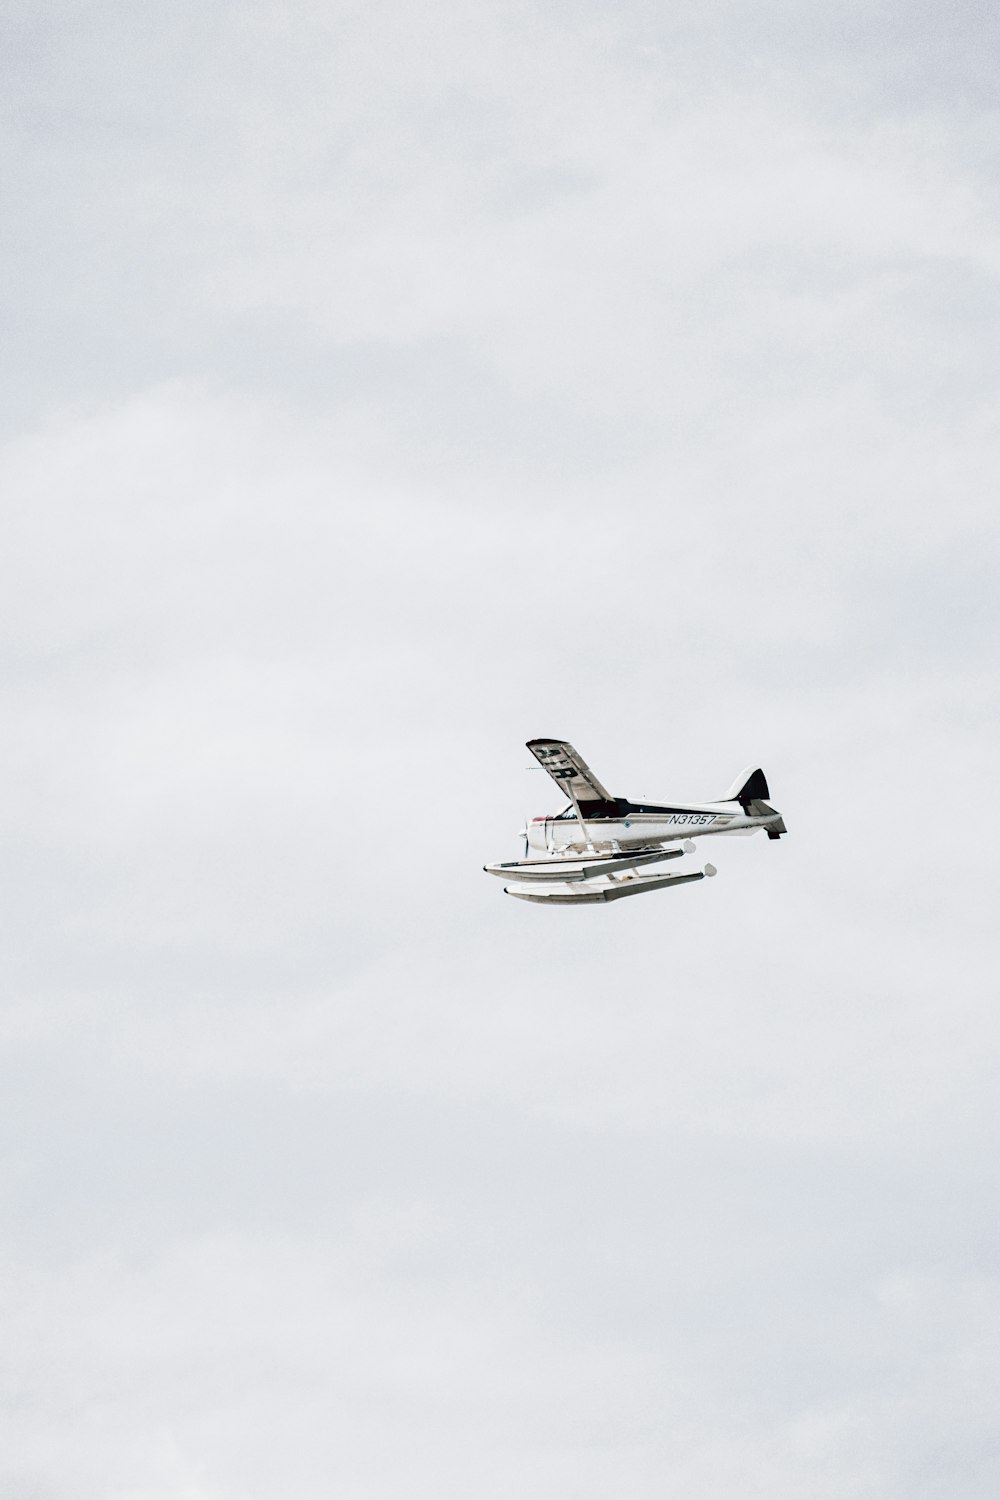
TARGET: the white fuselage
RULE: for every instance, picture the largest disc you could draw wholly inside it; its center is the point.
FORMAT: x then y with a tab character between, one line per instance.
647	827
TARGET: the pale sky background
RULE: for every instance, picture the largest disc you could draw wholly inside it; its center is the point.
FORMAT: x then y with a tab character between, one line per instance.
385	385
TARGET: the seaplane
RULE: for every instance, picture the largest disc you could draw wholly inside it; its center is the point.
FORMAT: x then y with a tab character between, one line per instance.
598	847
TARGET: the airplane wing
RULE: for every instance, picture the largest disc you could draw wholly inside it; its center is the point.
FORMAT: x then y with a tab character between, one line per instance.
569	770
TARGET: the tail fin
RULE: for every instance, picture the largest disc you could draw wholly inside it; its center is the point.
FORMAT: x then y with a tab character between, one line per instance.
749	786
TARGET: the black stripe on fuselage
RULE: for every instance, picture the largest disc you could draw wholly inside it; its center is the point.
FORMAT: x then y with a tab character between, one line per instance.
596	812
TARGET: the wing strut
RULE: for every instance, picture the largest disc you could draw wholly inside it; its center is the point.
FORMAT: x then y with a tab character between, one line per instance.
579	817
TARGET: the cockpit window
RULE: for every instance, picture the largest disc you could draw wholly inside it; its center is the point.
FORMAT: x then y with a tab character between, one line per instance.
567	812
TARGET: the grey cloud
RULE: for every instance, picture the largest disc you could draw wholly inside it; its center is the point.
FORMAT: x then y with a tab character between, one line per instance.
390	387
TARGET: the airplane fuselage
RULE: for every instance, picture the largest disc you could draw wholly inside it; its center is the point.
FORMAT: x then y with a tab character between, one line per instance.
626	825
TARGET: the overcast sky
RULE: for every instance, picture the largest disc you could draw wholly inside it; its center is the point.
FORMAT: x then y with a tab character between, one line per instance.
385	385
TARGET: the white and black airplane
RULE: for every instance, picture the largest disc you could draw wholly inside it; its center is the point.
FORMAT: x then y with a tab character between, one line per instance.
595	849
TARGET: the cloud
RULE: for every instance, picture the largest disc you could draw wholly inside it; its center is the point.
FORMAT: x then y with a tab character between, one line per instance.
392	387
